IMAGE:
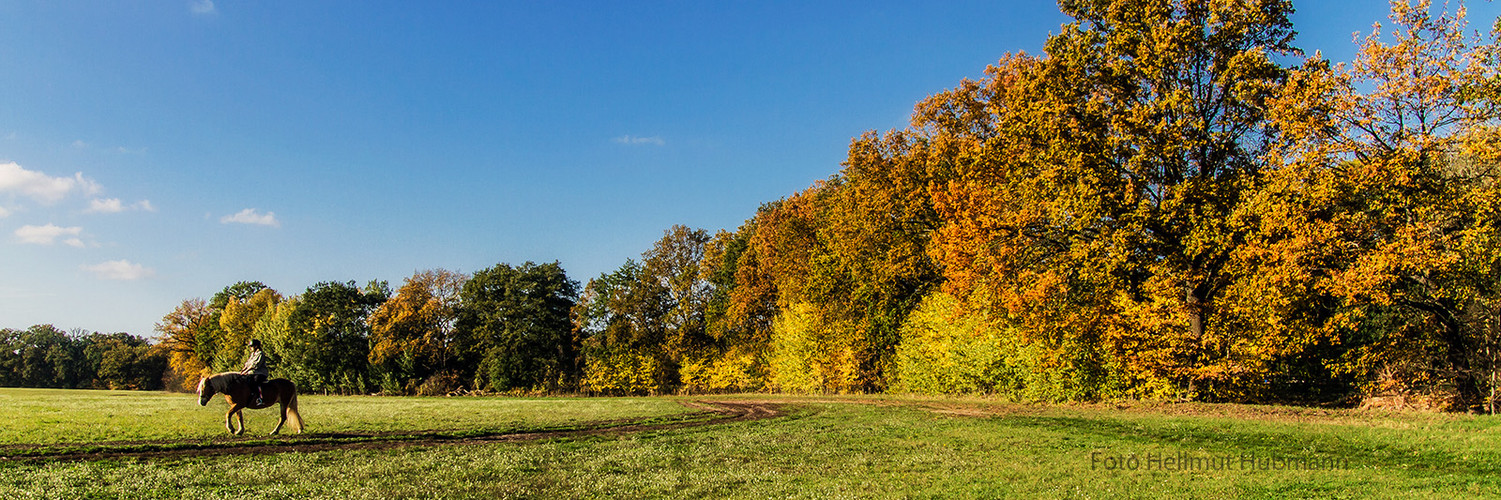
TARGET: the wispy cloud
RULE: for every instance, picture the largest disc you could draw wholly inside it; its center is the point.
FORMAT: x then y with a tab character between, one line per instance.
638	141
251	216
120	270
203	7
42	187
114	205
48	234
4	213
106	206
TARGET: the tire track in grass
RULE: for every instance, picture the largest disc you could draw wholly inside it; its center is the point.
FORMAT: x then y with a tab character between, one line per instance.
709	413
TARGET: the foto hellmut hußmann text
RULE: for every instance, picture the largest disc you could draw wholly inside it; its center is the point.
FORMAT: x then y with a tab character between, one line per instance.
1184	461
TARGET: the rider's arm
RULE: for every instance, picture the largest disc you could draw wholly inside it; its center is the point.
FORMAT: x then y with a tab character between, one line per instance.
251	363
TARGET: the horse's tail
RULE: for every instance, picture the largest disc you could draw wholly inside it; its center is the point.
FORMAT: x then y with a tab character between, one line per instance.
292	416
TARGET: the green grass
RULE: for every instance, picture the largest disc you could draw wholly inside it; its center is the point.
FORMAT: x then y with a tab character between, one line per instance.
51	416
854	447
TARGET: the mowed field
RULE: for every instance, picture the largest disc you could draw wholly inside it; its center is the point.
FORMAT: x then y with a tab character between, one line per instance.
67	444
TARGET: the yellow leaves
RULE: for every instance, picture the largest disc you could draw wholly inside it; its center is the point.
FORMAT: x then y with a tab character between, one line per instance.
738	369
620	373
1424	79
419	320
237	323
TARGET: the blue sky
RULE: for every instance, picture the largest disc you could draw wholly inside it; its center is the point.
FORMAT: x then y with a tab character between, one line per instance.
157	151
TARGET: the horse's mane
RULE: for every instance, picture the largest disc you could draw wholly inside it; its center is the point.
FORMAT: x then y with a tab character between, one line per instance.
220	381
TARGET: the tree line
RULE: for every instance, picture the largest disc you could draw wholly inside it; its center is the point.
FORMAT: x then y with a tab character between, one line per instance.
500	329
43	356
1170	201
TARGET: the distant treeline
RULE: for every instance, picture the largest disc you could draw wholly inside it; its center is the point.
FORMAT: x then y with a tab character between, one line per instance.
1163	204
43	356
500	329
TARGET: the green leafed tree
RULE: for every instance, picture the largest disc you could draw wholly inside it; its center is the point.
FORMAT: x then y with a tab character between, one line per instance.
515	328
326	338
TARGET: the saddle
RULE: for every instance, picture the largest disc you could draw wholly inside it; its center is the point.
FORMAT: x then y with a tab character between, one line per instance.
246	380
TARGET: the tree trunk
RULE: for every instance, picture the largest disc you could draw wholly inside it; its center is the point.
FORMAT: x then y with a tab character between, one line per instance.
1195	308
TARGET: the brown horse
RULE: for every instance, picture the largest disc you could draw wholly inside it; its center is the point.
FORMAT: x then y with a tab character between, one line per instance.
237	390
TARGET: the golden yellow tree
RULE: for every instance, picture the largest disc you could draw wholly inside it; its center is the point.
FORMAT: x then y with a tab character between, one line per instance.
1385	204
1095	187
412	333
237	324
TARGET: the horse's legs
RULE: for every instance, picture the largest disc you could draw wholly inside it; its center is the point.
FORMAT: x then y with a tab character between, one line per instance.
229	416
229	419
283	418
281	399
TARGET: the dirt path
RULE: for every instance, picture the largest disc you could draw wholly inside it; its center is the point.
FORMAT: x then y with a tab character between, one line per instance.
710	413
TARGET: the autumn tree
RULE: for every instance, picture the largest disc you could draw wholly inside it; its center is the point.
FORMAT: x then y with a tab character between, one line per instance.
213	349
736	358
875	267
1095	191
237	322
646	323
179	331
1386	203
673	265
773	280
412	334
618	320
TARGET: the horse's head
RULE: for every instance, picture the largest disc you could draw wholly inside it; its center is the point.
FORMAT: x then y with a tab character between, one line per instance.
205	391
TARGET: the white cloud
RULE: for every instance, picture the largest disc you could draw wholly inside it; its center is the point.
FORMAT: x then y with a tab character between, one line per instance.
203	7
106	206
79	144
40	186
114	206
251	216
48	234
122	270
636	141
4	213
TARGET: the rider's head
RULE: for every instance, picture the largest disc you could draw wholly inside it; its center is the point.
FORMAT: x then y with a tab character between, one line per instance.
253	343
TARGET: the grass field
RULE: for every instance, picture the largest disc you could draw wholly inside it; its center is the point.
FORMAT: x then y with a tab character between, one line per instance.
820	447
49	416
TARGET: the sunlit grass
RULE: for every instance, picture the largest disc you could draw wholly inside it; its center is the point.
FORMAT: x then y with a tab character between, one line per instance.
48	416
864	447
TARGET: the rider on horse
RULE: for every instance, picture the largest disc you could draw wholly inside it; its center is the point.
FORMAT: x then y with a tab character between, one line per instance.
255	367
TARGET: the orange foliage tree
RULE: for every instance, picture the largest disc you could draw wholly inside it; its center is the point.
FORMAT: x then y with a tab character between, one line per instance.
179	332
1386	206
